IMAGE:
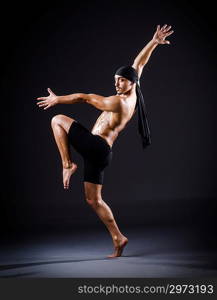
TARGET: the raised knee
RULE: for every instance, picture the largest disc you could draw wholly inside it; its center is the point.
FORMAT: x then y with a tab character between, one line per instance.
56	120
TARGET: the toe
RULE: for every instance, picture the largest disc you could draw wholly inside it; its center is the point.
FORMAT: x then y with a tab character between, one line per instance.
111	256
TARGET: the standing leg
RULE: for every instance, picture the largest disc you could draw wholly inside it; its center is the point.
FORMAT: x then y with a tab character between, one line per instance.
94	199
60	125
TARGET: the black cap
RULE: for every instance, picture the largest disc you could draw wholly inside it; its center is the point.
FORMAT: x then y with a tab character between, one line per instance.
128	72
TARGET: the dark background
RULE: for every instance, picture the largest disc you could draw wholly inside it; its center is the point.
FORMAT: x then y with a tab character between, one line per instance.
76	47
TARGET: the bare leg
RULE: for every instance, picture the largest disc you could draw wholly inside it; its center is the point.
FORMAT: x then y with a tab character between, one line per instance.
60	125
93	197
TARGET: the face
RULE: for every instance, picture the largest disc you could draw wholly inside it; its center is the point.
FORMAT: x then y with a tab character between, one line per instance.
122	85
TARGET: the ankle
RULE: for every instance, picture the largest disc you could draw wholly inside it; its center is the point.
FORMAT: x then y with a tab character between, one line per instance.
117	237
67	164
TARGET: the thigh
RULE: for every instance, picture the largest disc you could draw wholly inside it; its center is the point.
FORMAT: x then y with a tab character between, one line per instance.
92	190
65	122
93	172
79	138
95	151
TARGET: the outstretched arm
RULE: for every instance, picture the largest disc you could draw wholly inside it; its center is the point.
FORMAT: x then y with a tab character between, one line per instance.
112	103
158	38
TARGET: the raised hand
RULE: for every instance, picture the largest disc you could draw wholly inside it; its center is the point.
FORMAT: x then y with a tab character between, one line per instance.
48	101
162	33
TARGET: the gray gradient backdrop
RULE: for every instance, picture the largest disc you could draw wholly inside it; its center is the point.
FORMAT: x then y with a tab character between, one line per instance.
77	48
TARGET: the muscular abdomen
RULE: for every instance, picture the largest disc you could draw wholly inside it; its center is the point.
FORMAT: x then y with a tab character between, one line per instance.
108	125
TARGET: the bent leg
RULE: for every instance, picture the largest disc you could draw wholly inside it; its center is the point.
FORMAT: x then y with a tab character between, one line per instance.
94	199
60	125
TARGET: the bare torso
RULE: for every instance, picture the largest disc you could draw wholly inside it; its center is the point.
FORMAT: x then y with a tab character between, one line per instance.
110	124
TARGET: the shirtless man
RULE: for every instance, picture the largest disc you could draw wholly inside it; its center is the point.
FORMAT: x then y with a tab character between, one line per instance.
96	146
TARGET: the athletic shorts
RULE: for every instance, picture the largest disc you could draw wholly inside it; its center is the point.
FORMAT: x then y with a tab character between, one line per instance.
96	152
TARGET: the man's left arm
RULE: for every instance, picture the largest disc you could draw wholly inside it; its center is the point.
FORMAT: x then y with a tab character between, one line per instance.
158	38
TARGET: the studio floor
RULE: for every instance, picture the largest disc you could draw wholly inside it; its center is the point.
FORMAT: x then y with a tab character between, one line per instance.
150	253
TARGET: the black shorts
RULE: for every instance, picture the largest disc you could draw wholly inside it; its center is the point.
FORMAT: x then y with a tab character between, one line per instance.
96	152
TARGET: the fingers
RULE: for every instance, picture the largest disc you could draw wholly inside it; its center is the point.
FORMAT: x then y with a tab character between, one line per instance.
164	27
47	107
50	92
167	28
158	27
42	103
169	33
165	32
42	98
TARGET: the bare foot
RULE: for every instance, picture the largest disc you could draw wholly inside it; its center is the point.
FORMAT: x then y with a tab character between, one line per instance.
67	173
119	247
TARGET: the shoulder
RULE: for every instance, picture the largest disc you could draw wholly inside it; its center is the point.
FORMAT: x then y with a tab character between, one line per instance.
118	99
138	67
121	99
114	97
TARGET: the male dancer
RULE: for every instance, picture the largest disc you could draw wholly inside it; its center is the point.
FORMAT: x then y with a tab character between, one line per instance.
96	146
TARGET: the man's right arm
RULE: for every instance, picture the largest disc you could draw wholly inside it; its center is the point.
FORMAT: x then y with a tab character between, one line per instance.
112	103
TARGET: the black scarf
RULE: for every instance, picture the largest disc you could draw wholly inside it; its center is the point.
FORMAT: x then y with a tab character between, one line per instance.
131	74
